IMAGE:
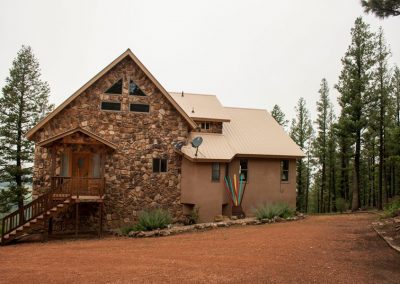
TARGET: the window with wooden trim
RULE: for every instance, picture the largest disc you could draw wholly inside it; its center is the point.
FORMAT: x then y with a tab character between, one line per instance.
134	90
285	170
65	165
115	106
205	125
215	171
243	170
115	89
139	107
159	165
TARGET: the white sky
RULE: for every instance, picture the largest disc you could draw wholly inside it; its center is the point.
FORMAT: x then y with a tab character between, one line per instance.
248	53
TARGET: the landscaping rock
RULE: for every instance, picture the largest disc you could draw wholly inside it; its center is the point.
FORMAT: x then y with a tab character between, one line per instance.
218	218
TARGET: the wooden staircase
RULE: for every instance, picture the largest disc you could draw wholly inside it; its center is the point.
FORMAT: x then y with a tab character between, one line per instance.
35	215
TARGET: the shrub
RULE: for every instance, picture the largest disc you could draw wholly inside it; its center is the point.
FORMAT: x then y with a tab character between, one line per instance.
341	205
192	217
269	211
153	219
392	209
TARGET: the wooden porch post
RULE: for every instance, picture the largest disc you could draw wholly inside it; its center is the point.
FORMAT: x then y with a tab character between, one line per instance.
101	219
76	217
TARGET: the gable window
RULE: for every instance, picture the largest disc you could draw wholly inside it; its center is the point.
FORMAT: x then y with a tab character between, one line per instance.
115	89
243	170
215	171
285	170
140	107
205	125
159	165
111	106
134	90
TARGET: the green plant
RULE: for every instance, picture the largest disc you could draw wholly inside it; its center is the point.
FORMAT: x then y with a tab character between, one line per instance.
392	209
341	205
269	211
126	230
153	219
192	217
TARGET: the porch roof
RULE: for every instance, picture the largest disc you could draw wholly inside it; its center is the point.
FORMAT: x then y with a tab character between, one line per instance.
48	141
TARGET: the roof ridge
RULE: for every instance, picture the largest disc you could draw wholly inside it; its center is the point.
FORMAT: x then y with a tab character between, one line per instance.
246	108
193	94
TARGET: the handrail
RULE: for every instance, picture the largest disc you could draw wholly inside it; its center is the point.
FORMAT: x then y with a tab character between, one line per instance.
30	211
61	188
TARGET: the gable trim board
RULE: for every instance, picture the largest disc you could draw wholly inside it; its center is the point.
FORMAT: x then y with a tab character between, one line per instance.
127	53
48	141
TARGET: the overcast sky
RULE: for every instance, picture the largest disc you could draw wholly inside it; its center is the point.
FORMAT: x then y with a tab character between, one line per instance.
248	53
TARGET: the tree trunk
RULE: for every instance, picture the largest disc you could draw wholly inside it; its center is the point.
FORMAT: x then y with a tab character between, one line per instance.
355	205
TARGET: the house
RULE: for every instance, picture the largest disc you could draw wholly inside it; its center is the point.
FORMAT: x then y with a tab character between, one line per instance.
121	144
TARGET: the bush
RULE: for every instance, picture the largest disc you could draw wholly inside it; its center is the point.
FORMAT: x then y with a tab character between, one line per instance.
269	211
153	219
341	205
192	217
392	209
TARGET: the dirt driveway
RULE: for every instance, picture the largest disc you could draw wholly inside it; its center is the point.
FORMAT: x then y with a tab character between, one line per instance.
319	249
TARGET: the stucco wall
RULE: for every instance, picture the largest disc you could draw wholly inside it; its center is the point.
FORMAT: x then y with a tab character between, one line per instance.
131	186
264	186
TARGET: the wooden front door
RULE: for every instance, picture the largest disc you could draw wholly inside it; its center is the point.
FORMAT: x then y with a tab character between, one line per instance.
81	165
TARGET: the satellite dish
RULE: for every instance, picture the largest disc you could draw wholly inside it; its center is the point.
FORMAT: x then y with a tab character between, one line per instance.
179	145
196	142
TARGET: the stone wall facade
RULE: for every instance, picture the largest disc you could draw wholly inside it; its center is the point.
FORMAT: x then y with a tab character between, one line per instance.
131	185
215	127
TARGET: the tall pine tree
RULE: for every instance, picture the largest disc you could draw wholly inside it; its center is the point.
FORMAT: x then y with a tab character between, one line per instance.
23	102
279	116
353	86
301	133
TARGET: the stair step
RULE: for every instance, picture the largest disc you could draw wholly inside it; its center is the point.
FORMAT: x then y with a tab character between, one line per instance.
60	205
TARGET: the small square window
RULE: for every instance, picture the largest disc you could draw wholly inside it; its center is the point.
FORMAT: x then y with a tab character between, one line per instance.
159	165
205	125
139	108
243	170
111	106
285	170
215	171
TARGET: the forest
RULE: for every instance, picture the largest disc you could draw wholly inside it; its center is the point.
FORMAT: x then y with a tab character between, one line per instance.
352	155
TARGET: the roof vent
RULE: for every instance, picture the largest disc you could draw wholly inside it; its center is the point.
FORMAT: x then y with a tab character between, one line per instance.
182	94
192	109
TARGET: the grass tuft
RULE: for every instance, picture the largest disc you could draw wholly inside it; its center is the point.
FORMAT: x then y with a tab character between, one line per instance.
269	211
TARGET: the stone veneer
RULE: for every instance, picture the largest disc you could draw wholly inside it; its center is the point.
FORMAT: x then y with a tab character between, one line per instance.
131	186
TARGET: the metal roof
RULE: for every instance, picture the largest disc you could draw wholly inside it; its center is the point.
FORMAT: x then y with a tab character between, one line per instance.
249	133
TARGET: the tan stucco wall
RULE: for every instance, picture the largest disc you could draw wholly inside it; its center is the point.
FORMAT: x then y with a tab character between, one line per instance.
264	186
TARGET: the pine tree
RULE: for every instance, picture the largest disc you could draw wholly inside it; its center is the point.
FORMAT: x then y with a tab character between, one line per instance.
354	85
301	133
279	116
321	142
382	8
23	102
380	103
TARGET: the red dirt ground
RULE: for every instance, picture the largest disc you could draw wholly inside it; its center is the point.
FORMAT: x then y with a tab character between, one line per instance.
319	249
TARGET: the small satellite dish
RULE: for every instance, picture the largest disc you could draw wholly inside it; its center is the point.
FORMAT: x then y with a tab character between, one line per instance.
179	145
196	142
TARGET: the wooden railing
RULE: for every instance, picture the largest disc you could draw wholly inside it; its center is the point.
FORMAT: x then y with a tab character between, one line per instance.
79	186
29	212
61	189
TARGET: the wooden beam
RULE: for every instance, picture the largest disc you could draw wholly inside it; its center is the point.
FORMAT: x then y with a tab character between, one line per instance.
101	220
76	218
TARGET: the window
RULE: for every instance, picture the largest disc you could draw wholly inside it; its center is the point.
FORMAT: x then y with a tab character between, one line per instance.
243	170
65	165
215	171
96	165
140	108
205	125
134	90
285	170
110	106
115	89
159	165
